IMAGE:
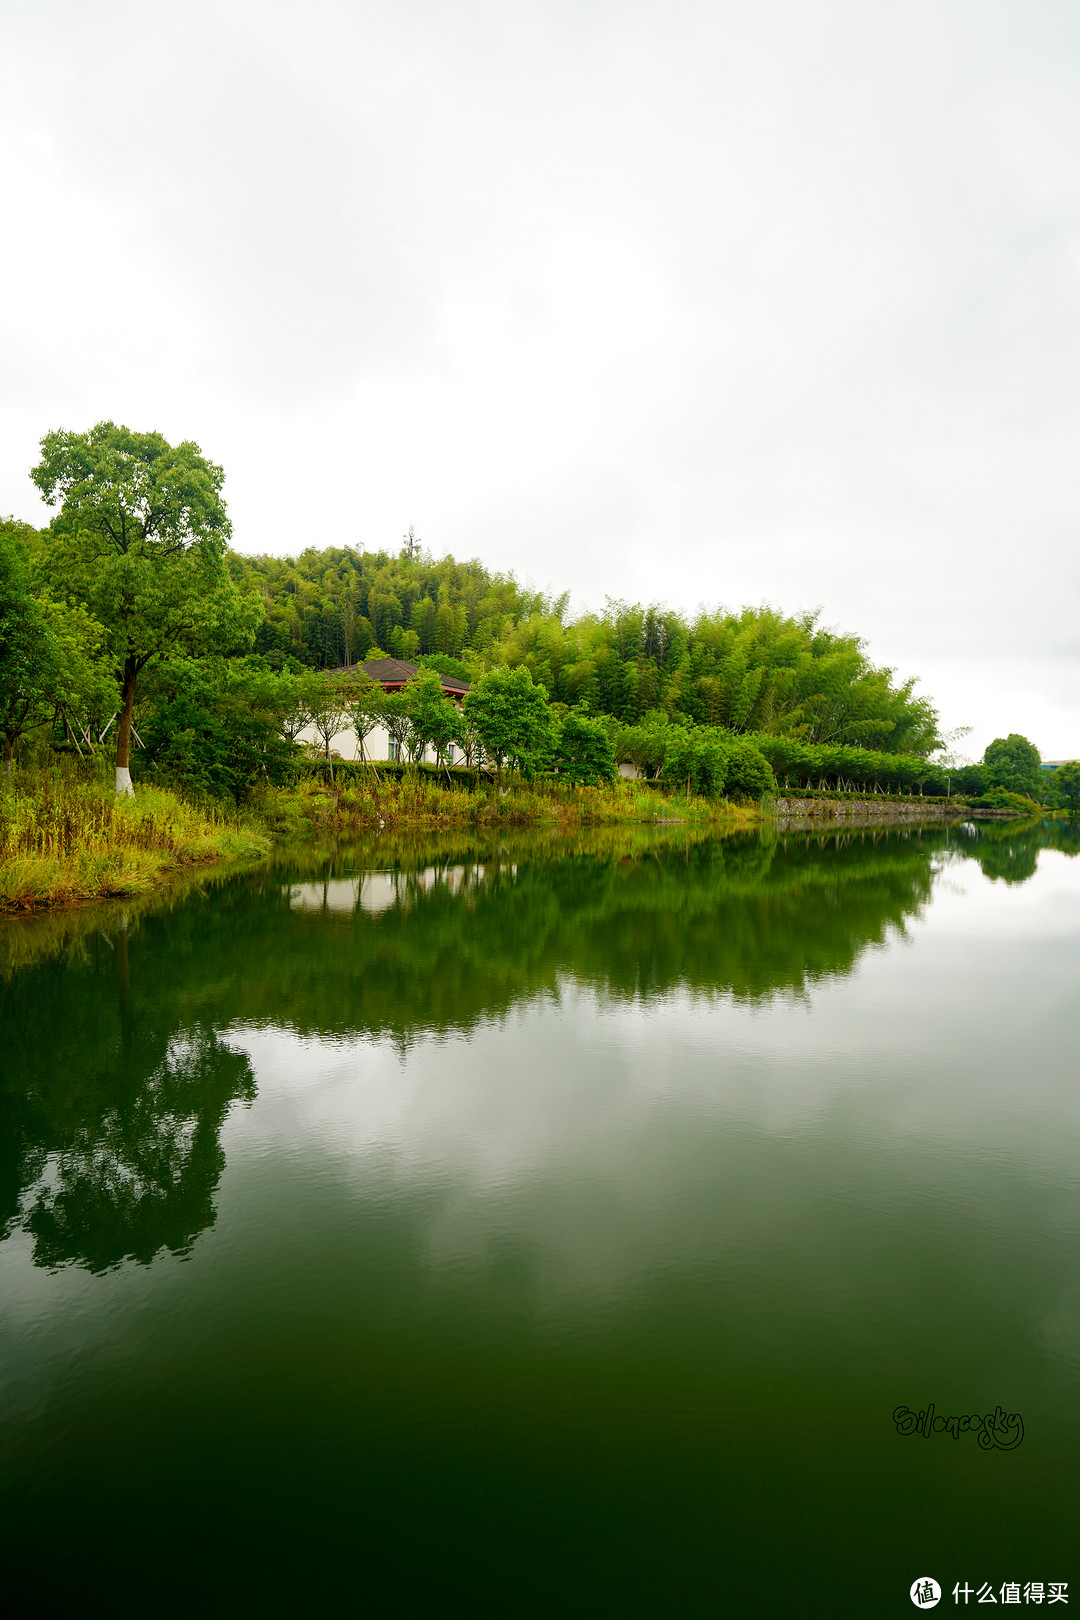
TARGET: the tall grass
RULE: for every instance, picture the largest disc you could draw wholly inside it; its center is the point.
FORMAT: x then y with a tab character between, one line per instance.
423	801
64	835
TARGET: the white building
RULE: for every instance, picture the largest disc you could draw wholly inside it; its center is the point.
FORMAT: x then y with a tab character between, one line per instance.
392	674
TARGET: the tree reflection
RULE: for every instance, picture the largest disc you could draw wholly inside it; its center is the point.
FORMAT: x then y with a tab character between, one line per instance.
117	1078
1009	851
139	1176
111	1111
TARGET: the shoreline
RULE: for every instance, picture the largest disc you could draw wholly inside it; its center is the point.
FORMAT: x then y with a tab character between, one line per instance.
882	812
122	849
77	844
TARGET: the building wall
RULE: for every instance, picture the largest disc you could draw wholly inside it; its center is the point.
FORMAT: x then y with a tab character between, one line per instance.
346	745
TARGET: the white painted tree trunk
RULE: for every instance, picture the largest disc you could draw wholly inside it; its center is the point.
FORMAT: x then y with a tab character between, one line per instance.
123	781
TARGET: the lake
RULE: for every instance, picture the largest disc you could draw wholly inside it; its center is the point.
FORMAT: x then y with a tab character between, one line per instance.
548	1227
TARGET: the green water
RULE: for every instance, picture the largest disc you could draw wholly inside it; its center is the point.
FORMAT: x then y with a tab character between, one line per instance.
538	1229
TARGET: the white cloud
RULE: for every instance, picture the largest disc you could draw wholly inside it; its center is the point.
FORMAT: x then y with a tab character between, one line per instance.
692	303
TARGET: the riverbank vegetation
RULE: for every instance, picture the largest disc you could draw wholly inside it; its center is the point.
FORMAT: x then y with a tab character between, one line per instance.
66	836
128	627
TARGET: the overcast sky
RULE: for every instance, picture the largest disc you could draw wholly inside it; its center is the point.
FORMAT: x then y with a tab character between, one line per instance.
693	302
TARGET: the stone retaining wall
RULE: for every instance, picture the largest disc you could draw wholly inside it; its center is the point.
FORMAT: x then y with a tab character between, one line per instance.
890	811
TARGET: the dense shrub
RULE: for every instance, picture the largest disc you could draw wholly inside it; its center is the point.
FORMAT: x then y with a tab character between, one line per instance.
215	733
998	798
584	751
749	774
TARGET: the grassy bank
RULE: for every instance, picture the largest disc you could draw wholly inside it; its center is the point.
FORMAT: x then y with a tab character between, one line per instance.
419	800
65	836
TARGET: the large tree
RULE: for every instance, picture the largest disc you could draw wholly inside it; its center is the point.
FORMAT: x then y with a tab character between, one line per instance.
1013	763
140	538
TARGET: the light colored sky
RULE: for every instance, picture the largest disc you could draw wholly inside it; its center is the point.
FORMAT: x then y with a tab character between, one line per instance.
692	302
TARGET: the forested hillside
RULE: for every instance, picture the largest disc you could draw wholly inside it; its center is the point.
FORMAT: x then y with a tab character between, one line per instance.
754	670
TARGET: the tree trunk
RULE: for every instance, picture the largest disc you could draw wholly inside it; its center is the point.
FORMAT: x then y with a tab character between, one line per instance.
123	729
9	750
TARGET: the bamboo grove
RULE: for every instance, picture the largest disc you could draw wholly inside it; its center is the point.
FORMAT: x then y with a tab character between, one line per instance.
755	670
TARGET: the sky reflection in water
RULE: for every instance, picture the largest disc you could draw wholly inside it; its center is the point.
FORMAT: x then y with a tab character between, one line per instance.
588	1196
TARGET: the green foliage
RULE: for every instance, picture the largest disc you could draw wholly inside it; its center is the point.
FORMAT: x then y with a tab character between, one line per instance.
584	752
724	702
216	730
364	702
300	691
140	541
755	670
432	715
696	761
644	745
969	780
336	607
50	651
443	664
702	759
1065	787
1013	763
741	672
26	661
134	489
512	719
395	717
1000	798
798	764
466	736
326	711
64	837
749	774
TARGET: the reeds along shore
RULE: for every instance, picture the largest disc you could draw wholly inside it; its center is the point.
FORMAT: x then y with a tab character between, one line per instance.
66	837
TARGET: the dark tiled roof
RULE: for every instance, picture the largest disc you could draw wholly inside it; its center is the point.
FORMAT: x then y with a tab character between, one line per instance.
398	671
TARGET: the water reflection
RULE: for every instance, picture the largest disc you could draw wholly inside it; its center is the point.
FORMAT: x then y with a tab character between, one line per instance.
376	891
1010	852
139	1158
111	1108
117	1080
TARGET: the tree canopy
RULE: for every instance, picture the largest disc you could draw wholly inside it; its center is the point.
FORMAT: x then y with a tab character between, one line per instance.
512	719
50	653
1013	763
752	670
719	701
1065	784
584	752
140	540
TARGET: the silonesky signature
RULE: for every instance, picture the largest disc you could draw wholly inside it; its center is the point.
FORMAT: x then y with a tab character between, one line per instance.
995	1430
